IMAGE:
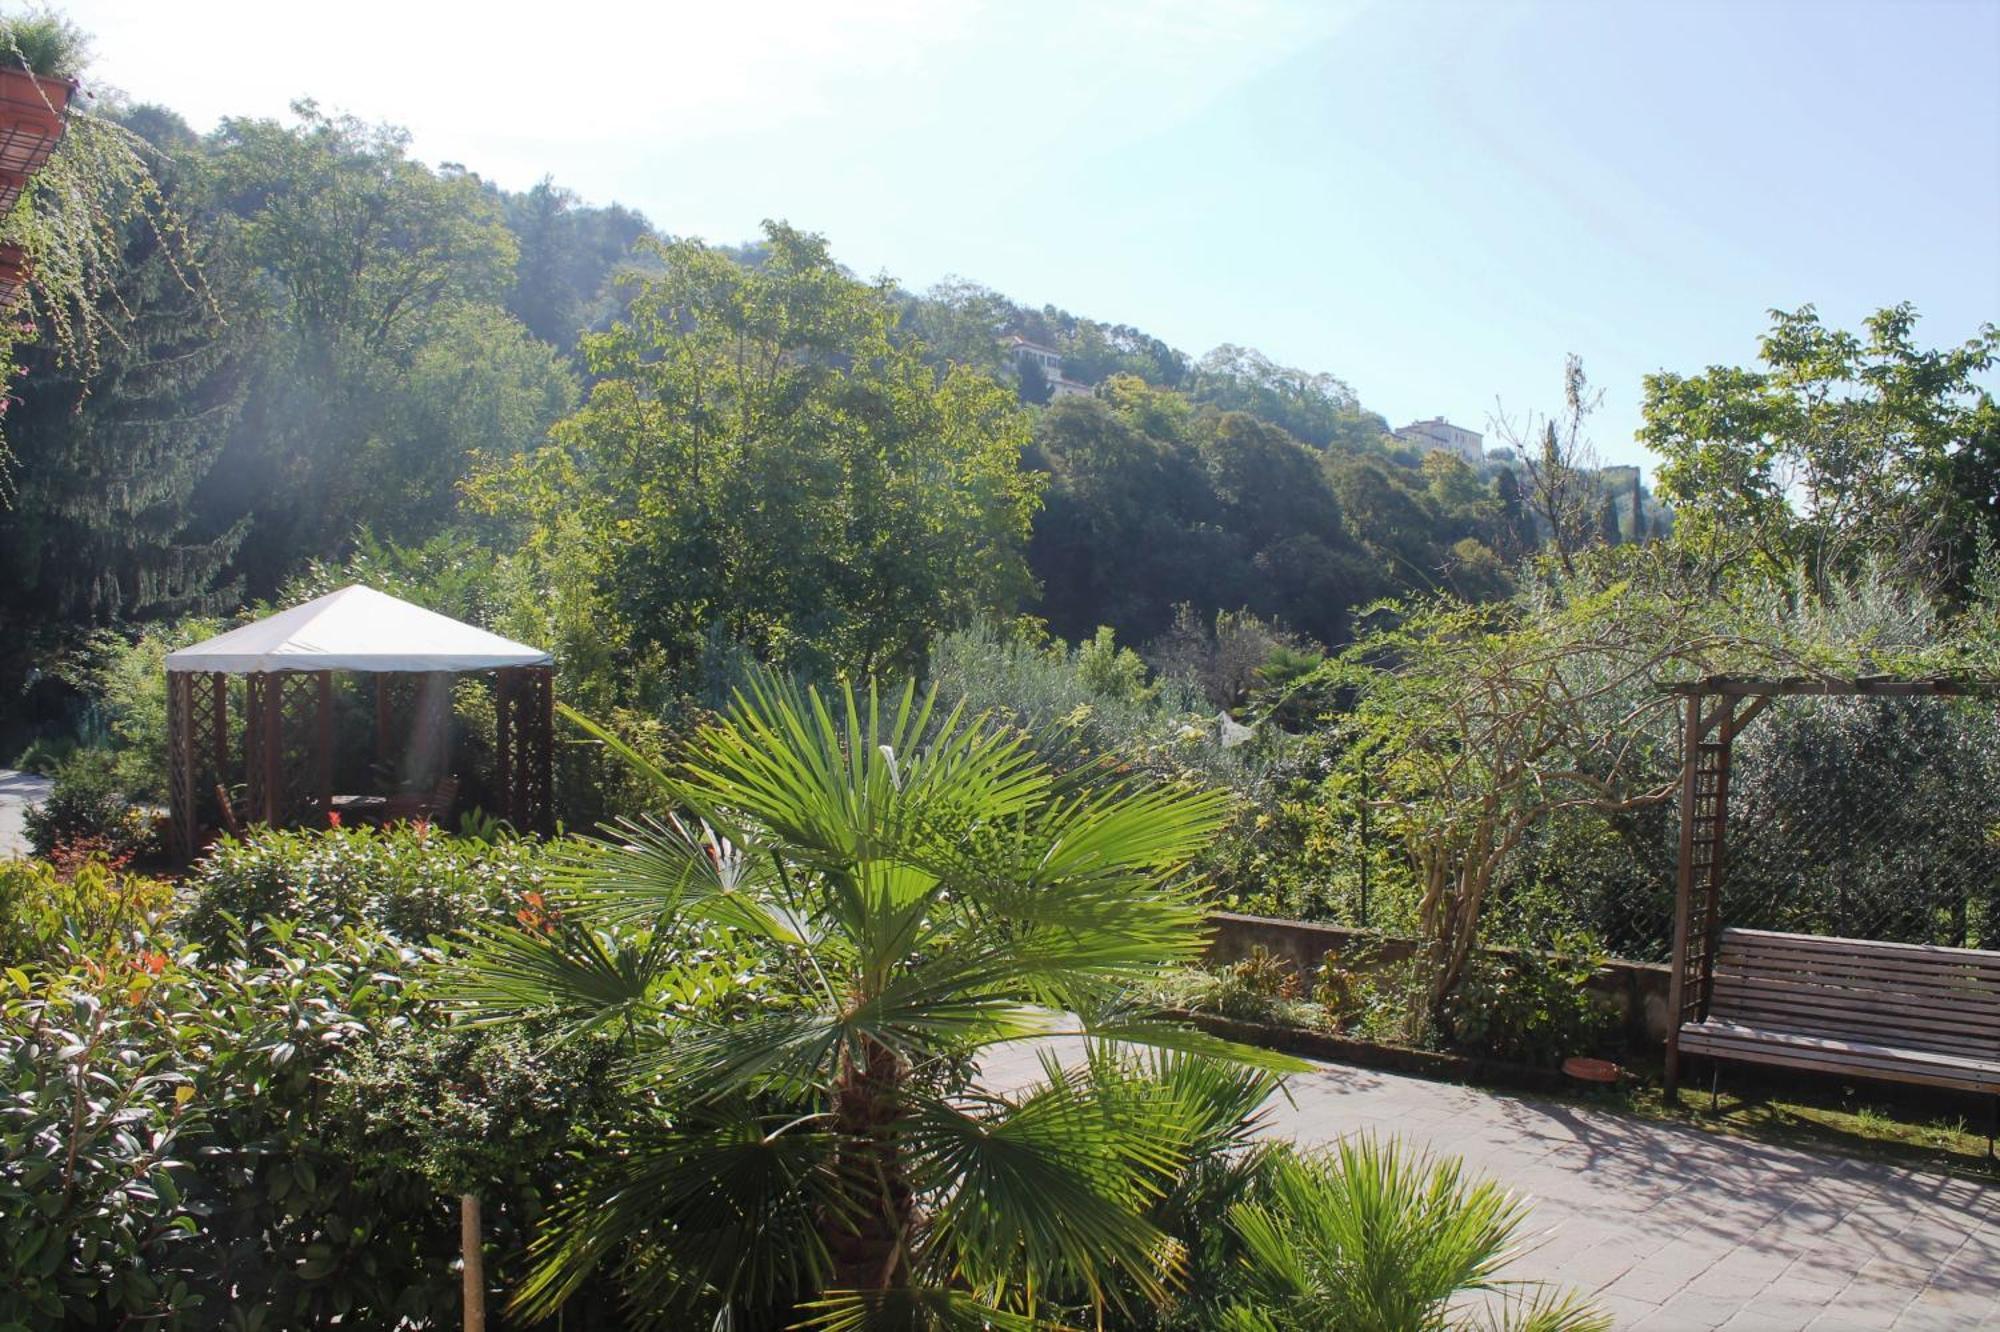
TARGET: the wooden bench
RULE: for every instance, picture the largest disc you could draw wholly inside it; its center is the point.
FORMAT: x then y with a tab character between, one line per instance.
1896	1012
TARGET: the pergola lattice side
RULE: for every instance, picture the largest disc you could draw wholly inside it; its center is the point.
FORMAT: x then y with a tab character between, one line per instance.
198	751
525	700
1714	712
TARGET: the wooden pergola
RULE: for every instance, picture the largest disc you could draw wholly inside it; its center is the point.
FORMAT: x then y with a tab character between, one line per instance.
287	662
1715	711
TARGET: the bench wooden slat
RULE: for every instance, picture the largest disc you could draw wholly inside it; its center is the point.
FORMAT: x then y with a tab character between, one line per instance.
1968	1015
1978	957
1819	1062
1967	1012
1885	1032
1952	996
1828	1055
1891	977
1835	1047
1900	1012
1905	976
1922	973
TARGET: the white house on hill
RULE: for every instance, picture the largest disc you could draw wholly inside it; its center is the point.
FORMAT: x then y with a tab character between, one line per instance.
1049	361
1438	433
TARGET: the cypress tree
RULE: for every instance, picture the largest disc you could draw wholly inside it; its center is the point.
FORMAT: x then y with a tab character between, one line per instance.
99	527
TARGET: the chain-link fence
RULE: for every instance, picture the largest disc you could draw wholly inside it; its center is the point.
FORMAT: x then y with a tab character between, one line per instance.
1862	817
1869	818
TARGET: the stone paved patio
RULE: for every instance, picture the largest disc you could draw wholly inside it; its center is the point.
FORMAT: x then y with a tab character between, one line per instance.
1671	1227
18	792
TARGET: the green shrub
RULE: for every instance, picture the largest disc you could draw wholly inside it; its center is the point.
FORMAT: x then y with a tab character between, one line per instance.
1516	1004
87	803
95	1223
1258	988
1047	689
45	43
1528	1006
411	882
592	785
93	907
268	1141
44	754
1371	998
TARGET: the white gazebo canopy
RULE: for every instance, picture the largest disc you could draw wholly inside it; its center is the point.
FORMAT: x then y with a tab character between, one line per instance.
355	629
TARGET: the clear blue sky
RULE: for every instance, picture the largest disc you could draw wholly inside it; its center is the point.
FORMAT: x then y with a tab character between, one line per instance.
1435	201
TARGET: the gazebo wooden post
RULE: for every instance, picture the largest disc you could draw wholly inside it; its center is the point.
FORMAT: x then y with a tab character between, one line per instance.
180	765
263	747
219	736
524	745
323	744
505	685
384	716
541	756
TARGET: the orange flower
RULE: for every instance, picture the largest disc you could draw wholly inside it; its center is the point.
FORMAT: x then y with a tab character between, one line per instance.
333	818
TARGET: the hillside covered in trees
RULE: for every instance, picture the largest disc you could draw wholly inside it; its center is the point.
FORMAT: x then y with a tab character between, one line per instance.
677	450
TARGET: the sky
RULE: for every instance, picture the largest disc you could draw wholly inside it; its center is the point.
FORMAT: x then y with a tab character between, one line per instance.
1435	200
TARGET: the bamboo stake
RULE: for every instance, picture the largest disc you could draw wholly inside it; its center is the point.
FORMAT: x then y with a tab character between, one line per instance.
475	1262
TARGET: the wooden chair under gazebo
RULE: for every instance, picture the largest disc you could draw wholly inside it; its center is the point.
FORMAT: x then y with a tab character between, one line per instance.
287	663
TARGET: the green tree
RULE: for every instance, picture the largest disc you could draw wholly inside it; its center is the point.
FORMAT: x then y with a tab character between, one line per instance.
366	258
1608	531
1128	523
1841	449
961	323
760	461
568	256
103	526
936	892
1316	408
1109	670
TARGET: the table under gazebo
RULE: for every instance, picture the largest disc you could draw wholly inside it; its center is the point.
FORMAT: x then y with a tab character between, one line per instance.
287	663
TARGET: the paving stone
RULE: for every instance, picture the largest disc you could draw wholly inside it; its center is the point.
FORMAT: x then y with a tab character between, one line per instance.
1691	1309
1668	1226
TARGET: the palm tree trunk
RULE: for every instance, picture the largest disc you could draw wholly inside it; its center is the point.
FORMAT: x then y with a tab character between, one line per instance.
867	1242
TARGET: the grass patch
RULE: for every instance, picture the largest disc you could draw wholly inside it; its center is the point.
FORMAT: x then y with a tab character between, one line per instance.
1874	1122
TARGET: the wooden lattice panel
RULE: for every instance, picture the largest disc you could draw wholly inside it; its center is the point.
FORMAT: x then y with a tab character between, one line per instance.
287	744
525	701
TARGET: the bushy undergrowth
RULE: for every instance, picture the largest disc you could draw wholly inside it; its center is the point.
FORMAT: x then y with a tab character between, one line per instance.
1519	1005
87	806
1085	705
411	882
263	1124
89	907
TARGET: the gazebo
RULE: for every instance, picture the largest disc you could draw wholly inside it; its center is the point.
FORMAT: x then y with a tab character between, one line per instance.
288	661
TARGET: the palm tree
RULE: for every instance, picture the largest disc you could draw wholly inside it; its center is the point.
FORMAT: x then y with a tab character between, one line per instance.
932	890
1371	1238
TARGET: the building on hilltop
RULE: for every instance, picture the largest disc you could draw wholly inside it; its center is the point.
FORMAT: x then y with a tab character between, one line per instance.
1439	434
1050	363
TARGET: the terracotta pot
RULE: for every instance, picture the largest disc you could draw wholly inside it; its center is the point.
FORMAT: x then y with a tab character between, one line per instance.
31	119
1585	1069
